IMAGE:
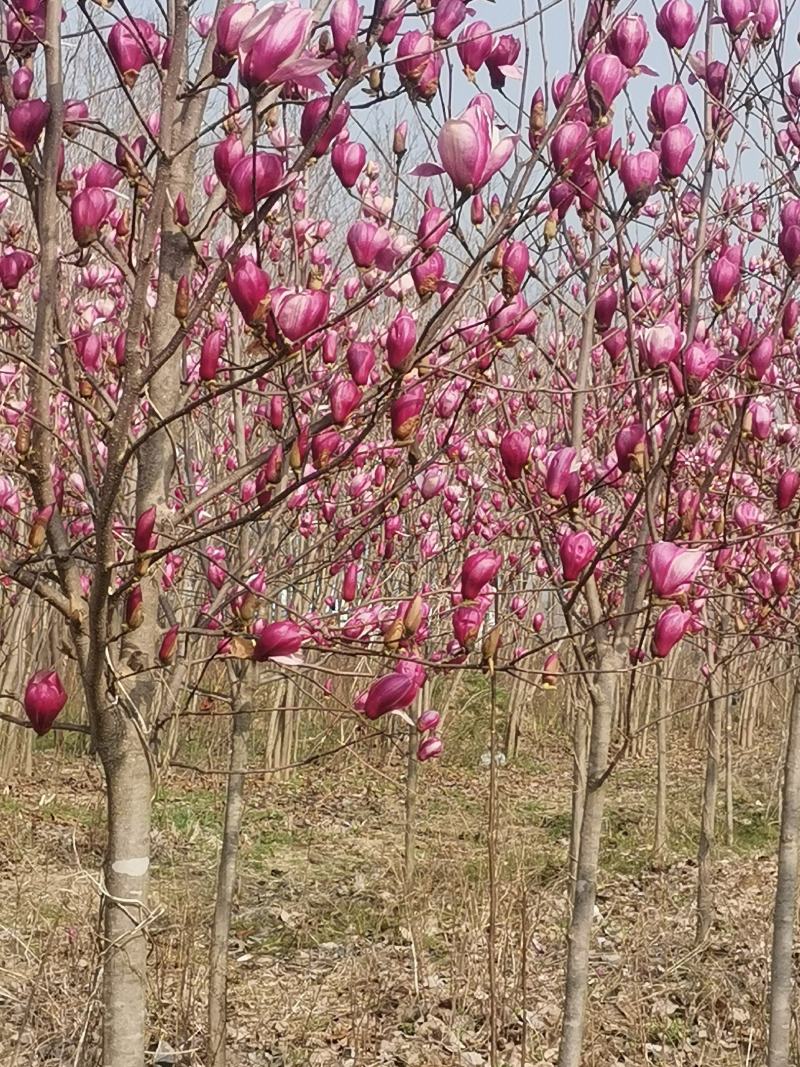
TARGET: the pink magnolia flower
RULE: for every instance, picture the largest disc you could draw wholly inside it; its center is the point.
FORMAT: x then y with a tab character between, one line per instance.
227	154
788	485
747	515
345	21
249	287
571	146
676	22
700	361
360	361
474	45
660	344
393	692
430	748
345	396
13	268
628	39
629	446
419	63
639	174
428	720
671	626
26	123
667	107
231	24
478	570
737	14
515	449
168	647
133	43
560	469
319	127
467	620
781	577
605	78
676	149
348	159
273	48
405	411
400	340
447	17
469	147
143	537
576	550
279	641
366	241
725	275
502	60
299	312
44	699
252	179
673	568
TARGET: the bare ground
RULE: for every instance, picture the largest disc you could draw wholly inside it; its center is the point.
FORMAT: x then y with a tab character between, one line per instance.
334	963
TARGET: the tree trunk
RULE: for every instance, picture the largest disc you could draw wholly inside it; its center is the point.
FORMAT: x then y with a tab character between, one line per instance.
580	744
729	823
126	872
662	769
226	877
514	723
412	769
603	695
781	969
705	854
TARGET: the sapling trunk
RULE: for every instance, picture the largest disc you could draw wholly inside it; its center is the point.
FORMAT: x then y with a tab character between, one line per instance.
124	905
410	843
662	769
781	966
708	814
580	744
729	822
603	695
226	873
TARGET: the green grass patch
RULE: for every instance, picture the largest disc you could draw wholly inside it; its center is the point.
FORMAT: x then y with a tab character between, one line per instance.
754	828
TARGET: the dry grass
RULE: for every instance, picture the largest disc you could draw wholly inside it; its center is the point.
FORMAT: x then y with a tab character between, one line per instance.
334	963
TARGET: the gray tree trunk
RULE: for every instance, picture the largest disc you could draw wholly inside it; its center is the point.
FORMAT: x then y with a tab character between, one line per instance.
781	968
126	874
708	814
226	876
603	696
662	768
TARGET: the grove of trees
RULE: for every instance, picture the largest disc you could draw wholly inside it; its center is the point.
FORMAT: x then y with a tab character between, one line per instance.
361	355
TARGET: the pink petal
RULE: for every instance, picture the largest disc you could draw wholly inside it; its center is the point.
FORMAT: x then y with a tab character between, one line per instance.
427	170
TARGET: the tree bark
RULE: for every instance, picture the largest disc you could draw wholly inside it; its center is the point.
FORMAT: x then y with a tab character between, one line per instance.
662	768
412	770
580	744
708	815
781	969
729	821
226	876
603	694
126	873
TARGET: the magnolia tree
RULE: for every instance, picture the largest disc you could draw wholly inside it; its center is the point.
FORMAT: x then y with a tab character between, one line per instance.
356	335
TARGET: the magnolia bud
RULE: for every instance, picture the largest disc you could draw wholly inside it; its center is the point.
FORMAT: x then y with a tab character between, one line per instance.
22	441
134	608
182	299
394	634
166	652
400	138
491	643
412	616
